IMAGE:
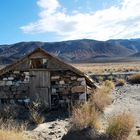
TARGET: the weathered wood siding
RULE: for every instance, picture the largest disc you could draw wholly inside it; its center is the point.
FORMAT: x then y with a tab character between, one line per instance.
40	86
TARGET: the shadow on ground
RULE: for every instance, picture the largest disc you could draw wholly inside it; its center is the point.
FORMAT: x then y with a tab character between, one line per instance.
85	134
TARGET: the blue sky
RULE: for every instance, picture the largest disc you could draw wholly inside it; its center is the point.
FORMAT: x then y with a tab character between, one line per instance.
57	20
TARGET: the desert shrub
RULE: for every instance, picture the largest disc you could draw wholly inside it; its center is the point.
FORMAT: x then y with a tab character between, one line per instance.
110	77
134	79
109	85
35	113
121	82
84	116
101	98
100	78
120	126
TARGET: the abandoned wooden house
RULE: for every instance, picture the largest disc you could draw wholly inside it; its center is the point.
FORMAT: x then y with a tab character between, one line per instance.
41	76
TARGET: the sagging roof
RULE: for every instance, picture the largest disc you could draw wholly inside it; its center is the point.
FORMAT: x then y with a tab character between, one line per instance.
11	67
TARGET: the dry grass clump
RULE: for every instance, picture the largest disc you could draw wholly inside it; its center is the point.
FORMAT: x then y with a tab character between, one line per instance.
9	124
134	79
120	127
11	130
84	116
109	84
87	115
121	82
12	135
101	98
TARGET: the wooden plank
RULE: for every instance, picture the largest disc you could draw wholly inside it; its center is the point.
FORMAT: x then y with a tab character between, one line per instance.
40	86
43	95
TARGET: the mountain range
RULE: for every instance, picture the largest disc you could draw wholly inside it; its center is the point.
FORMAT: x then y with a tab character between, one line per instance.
76	51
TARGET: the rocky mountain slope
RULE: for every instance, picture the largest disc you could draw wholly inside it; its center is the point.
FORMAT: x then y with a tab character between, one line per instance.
84	50
136	55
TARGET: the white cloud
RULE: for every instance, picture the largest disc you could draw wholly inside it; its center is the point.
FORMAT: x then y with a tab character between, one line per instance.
122	21
50	6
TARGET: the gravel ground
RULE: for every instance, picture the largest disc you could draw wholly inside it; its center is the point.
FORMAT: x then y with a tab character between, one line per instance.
126	99
50	131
